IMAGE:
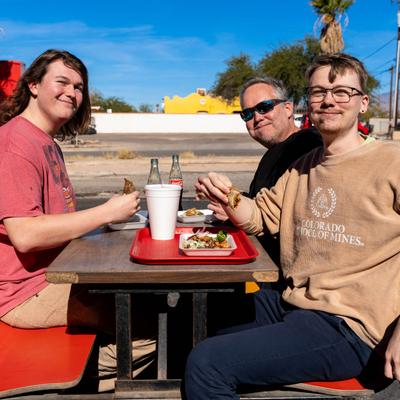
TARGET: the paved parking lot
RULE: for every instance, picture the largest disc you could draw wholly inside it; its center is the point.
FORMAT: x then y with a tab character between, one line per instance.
96	170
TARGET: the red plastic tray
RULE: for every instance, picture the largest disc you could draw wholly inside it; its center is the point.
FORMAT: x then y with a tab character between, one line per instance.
145	250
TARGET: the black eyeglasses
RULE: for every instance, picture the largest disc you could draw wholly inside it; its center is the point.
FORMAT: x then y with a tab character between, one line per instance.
262	108
341	94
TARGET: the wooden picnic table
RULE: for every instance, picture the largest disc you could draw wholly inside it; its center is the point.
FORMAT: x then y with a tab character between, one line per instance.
102	260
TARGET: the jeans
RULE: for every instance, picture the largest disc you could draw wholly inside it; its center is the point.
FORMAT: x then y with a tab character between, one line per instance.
283	345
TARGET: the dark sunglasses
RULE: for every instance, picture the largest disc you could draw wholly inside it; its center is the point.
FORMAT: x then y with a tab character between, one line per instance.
262	108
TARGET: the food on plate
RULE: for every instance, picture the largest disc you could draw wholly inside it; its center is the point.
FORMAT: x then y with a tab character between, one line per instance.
221	236
129	186
191	212
207	240
234	197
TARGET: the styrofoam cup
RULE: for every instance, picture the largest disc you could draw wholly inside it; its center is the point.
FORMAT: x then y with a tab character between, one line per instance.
162	204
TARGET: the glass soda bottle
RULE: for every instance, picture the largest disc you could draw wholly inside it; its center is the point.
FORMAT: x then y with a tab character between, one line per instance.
154	175
175	176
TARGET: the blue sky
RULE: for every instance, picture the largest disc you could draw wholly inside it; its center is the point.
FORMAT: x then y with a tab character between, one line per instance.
143	50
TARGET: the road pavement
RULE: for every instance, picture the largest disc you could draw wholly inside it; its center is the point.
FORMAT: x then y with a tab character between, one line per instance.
165	144
98	165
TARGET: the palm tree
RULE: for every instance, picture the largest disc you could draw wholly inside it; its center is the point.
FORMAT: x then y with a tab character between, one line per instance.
331	12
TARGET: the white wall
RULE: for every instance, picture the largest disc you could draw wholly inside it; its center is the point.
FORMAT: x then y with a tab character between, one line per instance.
165	123
185	123
381	125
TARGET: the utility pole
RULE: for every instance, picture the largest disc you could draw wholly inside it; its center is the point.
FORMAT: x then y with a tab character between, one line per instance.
393	124
391	70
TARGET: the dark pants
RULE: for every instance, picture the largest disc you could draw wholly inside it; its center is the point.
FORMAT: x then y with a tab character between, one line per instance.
284	345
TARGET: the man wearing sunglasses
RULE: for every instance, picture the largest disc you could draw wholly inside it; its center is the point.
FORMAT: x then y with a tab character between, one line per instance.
269	119
338	213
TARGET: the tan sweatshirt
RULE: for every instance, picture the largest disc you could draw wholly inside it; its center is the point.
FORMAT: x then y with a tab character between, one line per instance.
339	223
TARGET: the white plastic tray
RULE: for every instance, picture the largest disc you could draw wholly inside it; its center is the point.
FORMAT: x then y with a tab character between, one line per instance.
137	221
218	252
194	218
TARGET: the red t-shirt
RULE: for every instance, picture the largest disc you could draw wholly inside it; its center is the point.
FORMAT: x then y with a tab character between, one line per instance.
33	181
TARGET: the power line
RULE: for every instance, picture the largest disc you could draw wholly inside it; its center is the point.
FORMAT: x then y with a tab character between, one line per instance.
380	48
383	72
385	63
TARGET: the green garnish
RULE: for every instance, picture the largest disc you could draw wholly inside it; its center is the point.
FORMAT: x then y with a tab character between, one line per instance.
221	236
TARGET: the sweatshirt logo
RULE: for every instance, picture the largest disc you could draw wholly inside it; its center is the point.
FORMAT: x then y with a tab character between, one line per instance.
322	205
323	202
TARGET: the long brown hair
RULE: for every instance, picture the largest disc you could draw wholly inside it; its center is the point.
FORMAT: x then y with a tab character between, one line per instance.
18	102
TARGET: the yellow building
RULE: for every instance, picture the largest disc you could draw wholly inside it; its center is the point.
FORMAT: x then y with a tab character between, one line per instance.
200	102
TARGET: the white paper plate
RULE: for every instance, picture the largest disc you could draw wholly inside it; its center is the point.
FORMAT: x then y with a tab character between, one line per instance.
207	252
194	218
137	221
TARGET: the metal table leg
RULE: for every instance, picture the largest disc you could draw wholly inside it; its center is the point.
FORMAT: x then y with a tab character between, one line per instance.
199	317
162	346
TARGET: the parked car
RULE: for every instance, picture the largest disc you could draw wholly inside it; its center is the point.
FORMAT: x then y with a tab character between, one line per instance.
91	130
306	122
298	118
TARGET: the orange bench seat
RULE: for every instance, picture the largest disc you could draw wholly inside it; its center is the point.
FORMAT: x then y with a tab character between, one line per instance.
42	359
345	387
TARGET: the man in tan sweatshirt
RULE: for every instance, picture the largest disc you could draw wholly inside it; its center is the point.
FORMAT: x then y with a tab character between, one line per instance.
337	211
